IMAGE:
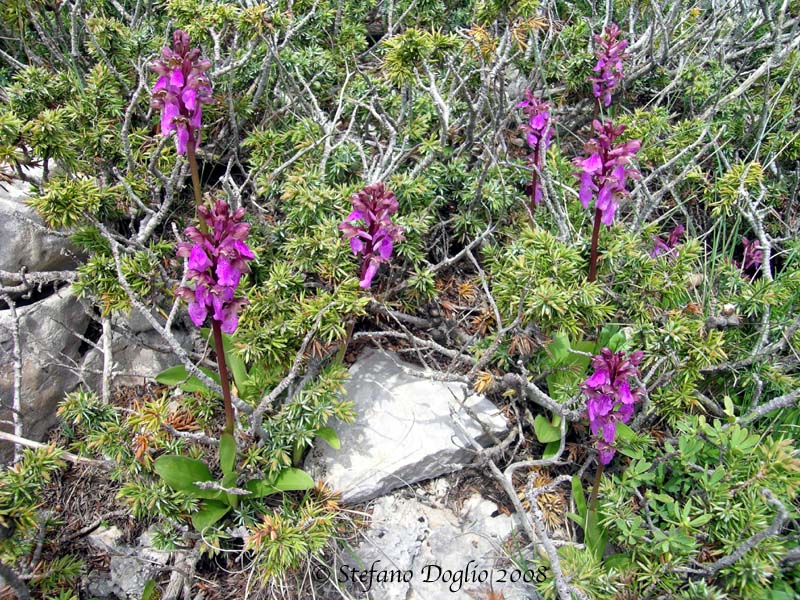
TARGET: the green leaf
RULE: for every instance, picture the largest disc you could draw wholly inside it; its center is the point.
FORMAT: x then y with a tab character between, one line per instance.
701	520
558	349
179	375
181	472
259	488
229	481
617	341
631	452
551	449
625	433
329	435
595	537
604	340
149	589
782	591
236	364
584	346
666	499
546	431
288	480
580	521
730	409
717	476
292	479
580	499
173	375
211	512
227	453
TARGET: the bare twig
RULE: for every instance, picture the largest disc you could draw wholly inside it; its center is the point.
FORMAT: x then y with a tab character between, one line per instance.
14	582
14	439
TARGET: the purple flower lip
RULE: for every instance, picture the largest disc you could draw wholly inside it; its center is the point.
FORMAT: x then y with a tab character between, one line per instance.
370	230
216	262
752	257
181	90
611	397
667	247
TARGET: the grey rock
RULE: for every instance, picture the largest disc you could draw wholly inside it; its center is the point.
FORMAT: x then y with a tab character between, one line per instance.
448	554
24	239
131	573
50	342
99	586
133	320
105	538
404	430
130	568
397	530
136	358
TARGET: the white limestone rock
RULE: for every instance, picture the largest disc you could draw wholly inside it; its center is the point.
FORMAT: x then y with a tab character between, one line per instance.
404	430
420	552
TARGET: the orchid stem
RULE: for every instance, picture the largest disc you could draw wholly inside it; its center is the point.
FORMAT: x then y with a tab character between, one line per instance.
346	342
223	375
297	454
593	252
198	193
596	486
533	185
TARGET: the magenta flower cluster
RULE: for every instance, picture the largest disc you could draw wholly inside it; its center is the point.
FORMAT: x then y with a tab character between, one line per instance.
666	247
217	260
538	133
370	229
611	397
181	90
606	170
610	52
753	255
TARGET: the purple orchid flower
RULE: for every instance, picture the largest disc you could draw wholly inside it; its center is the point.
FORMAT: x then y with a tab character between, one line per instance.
667	247
538	133
610	53
181	90
370	229
606	170
217	261
752	257
611	397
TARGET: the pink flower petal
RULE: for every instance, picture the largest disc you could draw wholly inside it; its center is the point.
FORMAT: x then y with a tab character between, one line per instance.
356	245
189	98
171	110
592	164
182	139
176	78
230	322
600	377
198	259
243	249
198	313
366	281
227	274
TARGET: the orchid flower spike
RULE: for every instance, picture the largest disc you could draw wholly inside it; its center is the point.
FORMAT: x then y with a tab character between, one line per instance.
181	90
